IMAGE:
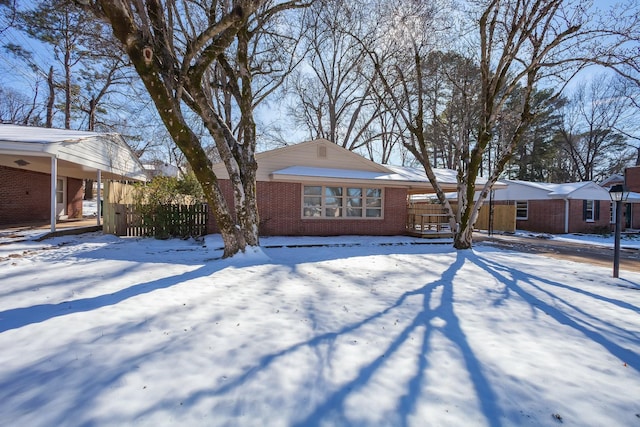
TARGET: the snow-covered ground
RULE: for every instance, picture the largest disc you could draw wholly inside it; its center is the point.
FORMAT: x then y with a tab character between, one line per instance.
627	240
89	207
97	330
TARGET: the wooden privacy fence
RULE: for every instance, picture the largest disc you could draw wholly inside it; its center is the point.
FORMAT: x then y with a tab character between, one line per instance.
163	222
503	218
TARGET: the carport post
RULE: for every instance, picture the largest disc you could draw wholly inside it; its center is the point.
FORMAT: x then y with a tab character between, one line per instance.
98	208
54	181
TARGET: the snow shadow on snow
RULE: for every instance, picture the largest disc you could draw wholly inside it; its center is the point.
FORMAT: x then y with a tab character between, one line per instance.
23	316
331	408
516	281
197	255
434	316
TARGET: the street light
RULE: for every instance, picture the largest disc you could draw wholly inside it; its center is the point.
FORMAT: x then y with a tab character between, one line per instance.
618	194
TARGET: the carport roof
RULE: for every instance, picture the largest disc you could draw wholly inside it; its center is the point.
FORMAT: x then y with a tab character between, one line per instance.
80	154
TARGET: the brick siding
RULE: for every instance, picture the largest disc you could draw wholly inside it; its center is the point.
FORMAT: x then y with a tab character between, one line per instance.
25	196
75	194
547	216
632	181
632	178
280	209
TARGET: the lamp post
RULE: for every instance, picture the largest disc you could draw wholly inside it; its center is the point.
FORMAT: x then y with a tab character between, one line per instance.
618	194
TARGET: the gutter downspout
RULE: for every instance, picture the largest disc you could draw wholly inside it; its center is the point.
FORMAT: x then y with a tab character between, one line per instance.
566	216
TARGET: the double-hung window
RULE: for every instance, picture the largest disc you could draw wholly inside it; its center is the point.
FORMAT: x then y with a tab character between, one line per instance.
522	209
327	201
590	210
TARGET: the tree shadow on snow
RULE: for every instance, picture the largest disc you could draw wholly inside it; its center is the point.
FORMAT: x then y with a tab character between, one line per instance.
332	407
434	315
588	325
18	317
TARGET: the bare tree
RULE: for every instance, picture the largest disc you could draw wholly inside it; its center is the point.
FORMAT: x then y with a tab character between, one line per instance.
7	14
174	47
451	85
588	133
334	90
59	24
520	43
16	108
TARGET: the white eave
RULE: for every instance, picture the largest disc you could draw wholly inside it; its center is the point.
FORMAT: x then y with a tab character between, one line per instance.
80	154
393	176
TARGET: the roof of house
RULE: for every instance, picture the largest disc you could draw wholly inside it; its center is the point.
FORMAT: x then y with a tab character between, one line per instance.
393	175
633	197
321	161
80	154
525	190
612	180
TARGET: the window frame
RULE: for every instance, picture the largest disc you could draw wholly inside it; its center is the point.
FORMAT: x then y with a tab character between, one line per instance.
367	203
612	212
591	214
526	209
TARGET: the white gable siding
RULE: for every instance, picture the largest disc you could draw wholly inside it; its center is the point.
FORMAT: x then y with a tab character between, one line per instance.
317	154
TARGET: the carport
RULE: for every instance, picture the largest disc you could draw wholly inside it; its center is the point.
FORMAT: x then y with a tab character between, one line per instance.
67	153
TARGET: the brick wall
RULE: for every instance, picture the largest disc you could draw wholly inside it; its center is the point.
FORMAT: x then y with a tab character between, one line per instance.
25	196
544	216
632	178
280	206
75	195
547	216
632	181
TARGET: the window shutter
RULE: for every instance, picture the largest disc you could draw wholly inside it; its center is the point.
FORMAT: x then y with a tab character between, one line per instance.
596	207
584	210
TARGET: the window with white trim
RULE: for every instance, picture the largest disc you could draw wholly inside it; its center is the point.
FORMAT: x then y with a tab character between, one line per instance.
612	213
326	201
522	209
590	210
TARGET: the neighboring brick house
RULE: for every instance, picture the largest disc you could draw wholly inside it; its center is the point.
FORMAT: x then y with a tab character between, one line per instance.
582	207
42	170
320	188
632	211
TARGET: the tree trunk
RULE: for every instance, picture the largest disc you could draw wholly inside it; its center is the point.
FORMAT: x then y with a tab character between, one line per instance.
464	237
50	99
93	106
67	90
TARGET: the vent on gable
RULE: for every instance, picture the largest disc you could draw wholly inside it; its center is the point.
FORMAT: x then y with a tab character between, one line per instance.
322	151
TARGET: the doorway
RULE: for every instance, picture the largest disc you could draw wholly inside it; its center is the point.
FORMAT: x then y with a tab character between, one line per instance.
61	198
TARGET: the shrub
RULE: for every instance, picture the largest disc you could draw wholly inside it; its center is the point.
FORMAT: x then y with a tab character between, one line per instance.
165	202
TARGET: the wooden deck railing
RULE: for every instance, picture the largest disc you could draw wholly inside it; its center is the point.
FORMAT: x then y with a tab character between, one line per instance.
428	220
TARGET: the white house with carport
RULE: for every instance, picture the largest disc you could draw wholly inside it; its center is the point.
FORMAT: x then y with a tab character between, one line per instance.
31	156
578	207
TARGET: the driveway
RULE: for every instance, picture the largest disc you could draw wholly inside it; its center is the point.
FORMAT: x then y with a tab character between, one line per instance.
579	252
